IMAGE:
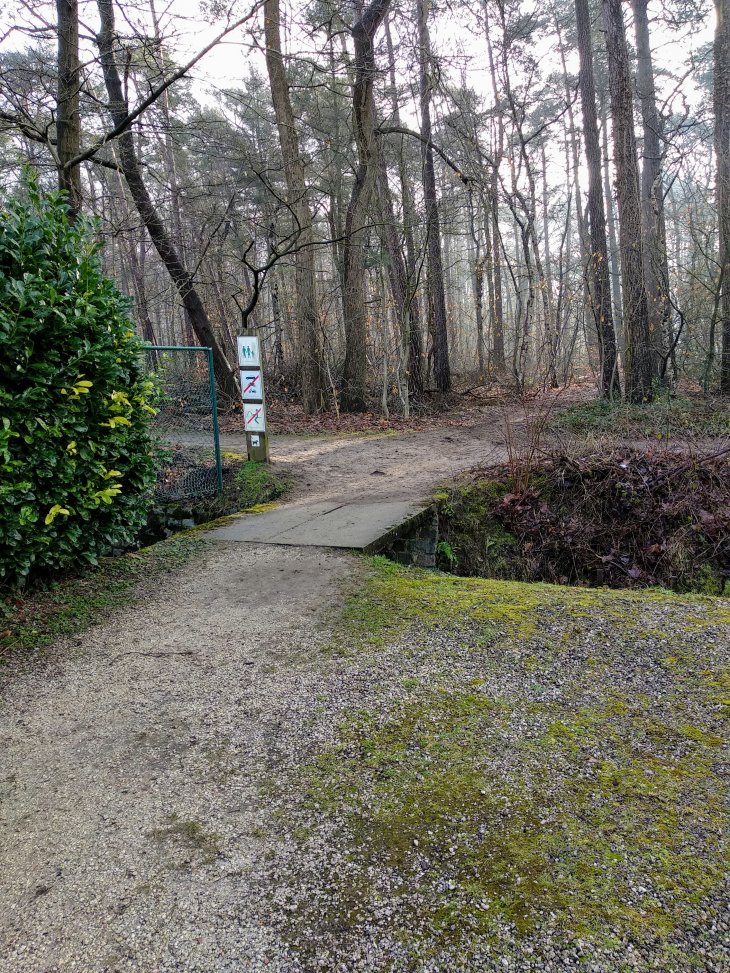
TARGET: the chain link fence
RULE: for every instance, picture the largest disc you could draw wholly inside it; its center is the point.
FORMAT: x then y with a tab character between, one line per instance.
186	425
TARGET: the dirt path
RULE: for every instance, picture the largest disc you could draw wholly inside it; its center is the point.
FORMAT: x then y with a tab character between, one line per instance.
385	467
143	765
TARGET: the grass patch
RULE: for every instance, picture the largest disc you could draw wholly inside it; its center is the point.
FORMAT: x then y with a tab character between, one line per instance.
257	483
665	418
190	834
70	605
391	598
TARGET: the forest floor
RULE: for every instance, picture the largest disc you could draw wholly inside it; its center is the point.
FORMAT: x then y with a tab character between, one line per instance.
294	760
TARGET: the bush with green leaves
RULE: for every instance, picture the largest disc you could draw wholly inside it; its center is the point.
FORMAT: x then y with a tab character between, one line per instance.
76	457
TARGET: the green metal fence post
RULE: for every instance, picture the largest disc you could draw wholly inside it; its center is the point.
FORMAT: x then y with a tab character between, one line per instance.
216	430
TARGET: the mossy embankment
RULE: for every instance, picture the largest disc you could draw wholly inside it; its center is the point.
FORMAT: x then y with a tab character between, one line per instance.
246	485
529	767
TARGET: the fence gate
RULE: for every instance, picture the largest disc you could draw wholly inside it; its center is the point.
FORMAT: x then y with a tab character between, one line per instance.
186	425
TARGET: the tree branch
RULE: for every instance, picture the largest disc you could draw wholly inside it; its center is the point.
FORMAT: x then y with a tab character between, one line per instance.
124	123
399	130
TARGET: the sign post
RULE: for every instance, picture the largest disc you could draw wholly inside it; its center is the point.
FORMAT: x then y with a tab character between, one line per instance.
254	400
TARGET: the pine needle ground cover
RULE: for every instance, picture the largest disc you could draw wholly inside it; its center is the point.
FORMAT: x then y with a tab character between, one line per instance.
513	776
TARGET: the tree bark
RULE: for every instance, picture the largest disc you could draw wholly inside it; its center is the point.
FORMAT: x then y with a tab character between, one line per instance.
68	122
613	255
598	266
354	377
478	277
310	356
225	376
415	353
497	308
656	269
638	355
722	155
437	296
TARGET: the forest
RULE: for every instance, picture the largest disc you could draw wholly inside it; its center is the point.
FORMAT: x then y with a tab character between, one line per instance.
396	196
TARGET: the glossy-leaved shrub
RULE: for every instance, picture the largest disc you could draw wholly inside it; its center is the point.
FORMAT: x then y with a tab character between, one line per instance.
77	463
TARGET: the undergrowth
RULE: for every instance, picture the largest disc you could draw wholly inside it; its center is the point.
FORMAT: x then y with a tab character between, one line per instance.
665	418
628	519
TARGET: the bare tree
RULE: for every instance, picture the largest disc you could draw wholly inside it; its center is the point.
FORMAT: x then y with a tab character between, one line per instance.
656	270
722	155
437	297
638	357
305	276
363	107
598	263
119	111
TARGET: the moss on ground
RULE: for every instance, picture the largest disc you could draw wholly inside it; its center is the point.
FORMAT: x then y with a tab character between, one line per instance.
258	483
190	835
579	798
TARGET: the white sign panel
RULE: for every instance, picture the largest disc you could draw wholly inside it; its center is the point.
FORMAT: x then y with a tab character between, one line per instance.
251	385
254	419
248	352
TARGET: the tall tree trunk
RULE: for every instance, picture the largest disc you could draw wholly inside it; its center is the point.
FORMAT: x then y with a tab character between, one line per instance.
598	267
225	375
363	113
583	235
489	263
613	257
437	296
168	154
478	272
722	155
638	355
415	354
497	304
68	123
656	268
310	357
552	331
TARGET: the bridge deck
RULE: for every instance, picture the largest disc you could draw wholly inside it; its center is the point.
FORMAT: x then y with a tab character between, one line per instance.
354	526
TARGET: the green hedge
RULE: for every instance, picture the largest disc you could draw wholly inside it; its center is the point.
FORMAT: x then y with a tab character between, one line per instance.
76	459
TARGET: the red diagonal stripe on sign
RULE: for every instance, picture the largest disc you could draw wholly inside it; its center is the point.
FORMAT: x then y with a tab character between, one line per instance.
255	416
251	384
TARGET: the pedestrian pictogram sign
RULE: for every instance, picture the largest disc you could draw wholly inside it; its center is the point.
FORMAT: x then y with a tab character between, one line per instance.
254	419
249	354
251	385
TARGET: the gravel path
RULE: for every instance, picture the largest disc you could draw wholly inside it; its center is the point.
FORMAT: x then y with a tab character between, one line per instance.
131	813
